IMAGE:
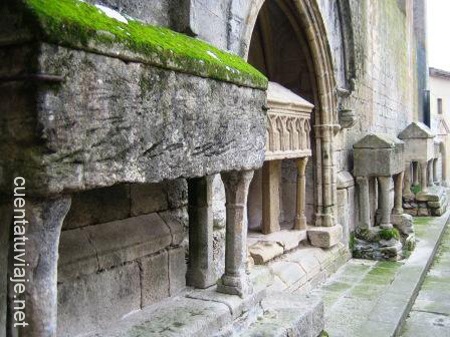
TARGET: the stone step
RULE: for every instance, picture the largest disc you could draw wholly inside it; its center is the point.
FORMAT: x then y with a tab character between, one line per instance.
288	315
206	313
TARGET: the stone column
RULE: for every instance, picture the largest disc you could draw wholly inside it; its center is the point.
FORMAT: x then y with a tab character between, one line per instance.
430	172
415	173
423	177
271	174
364	202
200	268
435	174
398	200
235	280
383	206
300	218
407	181
44	219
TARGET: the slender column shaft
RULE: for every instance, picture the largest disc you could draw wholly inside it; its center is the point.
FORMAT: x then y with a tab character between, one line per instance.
300	218
271	196
398	202
235	280
200	270
407	181
430	173
435	173
415	173
364	202
423	176
384	184
42	225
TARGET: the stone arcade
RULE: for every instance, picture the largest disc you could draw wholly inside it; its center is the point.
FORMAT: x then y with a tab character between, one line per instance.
177	187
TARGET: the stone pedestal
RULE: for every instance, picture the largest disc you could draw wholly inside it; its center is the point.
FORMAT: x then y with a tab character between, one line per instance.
325	237
200	271
235	280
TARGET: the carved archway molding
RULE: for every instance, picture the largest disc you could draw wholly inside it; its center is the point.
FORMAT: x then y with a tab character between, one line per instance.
326	124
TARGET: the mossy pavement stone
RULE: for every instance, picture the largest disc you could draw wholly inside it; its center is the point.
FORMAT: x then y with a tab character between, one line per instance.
377	296
430	315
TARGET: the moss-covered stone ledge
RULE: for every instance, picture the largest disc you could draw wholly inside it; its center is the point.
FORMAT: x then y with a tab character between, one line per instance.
109	122
76	24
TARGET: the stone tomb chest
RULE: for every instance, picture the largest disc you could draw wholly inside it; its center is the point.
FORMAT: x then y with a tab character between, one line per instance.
378	155
419	143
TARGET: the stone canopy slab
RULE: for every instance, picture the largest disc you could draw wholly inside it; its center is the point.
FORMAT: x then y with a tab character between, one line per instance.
81	116
378	155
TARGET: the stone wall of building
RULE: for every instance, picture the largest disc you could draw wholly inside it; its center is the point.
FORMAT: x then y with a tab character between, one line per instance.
122	248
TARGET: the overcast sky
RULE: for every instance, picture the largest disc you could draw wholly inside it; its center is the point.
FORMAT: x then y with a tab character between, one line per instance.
439	33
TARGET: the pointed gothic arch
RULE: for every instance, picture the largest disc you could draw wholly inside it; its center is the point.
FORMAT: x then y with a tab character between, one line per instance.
307	20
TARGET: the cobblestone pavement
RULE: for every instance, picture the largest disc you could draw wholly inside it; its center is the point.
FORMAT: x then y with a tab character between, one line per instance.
430	315
369	298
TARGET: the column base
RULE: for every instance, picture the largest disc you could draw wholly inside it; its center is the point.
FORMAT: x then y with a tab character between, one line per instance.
325	237
235	285
300	223
201	280
324	220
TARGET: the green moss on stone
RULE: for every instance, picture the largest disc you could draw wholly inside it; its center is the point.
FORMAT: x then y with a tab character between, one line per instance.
78	24
387	234
416	189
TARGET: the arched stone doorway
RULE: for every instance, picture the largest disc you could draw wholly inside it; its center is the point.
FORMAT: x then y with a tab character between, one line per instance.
286	40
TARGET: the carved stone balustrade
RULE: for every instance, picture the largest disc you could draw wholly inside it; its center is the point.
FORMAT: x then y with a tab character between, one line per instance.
289	124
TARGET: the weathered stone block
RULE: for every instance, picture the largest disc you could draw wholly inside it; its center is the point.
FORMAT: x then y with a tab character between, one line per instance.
77	256
177	192
325	237
264	251
155	278
177	270
89	299
378	155
145	234
89	125
148	198
288	272
177	227
98	206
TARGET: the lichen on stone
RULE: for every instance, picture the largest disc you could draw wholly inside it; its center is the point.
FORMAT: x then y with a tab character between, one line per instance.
75	23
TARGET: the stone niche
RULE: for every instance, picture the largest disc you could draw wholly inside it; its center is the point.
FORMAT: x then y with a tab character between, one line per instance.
423	194
287	138
381	233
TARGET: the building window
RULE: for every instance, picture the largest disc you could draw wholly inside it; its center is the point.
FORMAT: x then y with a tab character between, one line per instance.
439	106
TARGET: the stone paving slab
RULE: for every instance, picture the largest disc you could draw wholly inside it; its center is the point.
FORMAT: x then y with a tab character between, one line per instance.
369	298
430	315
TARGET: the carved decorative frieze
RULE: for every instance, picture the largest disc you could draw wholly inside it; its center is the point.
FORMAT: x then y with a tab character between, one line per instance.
288	126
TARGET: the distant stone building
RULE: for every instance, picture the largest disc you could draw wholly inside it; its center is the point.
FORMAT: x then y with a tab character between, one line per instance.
440	115
158	166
